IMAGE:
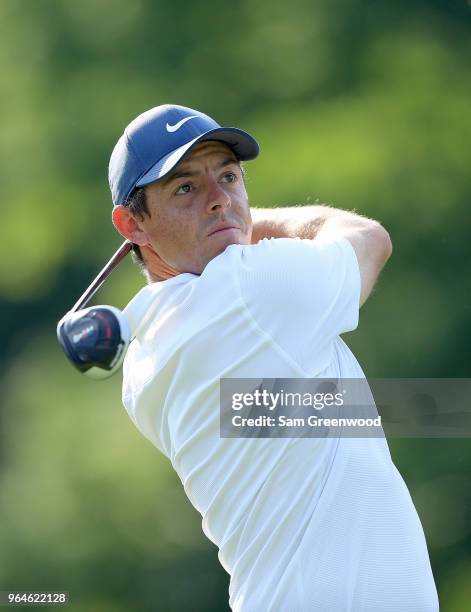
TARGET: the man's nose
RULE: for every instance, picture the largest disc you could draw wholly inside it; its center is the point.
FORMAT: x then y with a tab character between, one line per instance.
218	197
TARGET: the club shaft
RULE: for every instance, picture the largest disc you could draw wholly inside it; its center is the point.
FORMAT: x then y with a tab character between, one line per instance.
103	274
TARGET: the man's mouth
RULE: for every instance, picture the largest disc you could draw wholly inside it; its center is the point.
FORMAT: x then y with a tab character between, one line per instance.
221	228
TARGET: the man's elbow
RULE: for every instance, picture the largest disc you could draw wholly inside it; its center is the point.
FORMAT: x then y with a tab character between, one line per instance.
382	241
377	251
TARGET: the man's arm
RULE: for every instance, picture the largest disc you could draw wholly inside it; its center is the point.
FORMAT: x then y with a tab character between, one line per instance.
370	241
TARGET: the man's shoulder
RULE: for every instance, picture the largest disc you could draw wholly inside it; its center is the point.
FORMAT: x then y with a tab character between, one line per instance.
295	247
265	250
293	255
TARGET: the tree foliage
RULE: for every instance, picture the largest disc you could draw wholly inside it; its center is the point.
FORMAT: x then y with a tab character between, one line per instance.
364	105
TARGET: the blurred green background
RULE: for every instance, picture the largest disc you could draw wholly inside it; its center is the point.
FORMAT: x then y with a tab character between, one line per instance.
362	105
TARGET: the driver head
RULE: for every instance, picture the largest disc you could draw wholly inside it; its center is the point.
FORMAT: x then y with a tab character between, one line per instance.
95	339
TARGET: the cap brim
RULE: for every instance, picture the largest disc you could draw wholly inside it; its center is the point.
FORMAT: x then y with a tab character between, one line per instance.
245	147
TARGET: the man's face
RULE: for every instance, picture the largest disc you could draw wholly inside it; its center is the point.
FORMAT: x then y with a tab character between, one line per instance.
199	209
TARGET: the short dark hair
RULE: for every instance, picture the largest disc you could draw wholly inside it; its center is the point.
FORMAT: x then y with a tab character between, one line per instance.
137	204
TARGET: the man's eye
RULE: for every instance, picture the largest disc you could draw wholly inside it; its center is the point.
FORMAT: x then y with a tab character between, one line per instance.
186	188
229	177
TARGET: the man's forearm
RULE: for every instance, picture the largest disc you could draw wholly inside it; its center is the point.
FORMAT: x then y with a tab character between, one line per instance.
300	221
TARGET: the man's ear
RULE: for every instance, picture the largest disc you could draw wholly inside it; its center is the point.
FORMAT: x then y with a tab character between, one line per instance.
128	226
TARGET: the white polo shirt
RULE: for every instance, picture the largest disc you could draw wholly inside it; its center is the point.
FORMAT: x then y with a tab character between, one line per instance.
323	524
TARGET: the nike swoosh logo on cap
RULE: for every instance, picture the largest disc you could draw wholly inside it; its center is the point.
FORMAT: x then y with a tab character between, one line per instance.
177	126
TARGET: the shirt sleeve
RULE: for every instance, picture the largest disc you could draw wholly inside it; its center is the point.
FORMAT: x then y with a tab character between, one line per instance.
303	293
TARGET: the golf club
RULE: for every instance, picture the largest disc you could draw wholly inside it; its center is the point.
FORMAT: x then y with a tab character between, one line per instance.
95	339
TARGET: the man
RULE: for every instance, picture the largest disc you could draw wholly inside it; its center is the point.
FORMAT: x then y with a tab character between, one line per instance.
321	524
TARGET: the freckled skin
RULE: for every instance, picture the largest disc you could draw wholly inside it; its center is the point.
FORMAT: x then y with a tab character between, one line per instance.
183	211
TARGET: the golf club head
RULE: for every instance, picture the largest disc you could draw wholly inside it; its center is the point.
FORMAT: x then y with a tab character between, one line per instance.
95	339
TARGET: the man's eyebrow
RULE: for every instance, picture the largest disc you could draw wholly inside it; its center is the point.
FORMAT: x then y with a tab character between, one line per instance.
186	173
228	161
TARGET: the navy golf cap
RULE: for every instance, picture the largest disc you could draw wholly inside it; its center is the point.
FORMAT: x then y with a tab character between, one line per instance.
156	141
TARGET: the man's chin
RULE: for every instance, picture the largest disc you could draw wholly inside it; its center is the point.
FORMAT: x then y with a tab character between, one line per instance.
221	240
225	238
